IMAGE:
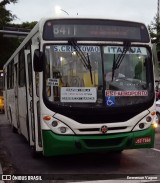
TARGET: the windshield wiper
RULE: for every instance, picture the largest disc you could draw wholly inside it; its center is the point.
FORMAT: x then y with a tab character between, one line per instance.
117	61
85	61
89	67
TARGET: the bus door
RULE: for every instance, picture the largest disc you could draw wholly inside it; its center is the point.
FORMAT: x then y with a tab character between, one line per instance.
29	87
16	96
36	104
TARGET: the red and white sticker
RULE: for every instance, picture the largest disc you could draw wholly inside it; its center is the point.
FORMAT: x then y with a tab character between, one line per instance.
143	140
126	93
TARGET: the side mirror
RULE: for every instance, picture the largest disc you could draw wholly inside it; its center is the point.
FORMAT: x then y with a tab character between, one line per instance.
38	63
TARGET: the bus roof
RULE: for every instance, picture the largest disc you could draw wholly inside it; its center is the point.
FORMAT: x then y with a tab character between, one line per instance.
44	19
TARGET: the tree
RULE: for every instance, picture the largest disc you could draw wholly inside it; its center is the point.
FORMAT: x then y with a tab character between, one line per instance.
154	29
5	15
5	18
9	45
28	25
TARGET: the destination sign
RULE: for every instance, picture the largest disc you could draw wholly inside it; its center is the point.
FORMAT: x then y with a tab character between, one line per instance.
120	49
95	30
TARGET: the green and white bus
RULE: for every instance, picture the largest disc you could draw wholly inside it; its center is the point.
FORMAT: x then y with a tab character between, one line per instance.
82	85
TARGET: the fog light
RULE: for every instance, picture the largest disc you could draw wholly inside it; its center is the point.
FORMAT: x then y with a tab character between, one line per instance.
54	123
141	125
148	118
155	125
63	129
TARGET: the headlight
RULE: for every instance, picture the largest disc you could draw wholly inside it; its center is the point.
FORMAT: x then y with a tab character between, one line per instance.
63	129
54	123
57	126
142	125
148	119
145	123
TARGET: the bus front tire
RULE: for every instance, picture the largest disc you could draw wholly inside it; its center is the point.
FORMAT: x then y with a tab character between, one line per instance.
35	154
14	129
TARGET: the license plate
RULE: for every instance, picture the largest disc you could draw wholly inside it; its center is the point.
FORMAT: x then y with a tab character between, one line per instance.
143	140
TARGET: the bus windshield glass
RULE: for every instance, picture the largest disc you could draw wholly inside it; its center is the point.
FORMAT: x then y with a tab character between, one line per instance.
83	75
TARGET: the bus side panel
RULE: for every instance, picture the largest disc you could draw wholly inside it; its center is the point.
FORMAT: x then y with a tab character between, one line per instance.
22	111
9	94
10	100
5	93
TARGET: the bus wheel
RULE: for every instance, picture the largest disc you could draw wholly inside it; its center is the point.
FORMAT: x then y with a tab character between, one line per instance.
118	151
35	154
14	129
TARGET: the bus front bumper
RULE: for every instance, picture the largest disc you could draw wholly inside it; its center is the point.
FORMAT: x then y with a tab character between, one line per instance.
54	144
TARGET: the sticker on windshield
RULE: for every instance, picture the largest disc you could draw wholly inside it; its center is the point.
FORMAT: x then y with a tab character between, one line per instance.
52	82
126	93
119	50
78	94
110	101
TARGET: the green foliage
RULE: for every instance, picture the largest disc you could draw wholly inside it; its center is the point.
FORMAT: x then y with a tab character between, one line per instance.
28	25
9	45
154	29
6	45
24	25
5	15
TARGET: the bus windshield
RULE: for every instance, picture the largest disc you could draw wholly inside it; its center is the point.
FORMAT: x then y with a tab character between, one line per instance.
97	82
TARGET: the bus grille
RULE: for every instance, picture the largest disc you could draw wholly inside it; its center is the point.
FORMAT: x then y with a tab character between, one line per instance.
97	129
103	142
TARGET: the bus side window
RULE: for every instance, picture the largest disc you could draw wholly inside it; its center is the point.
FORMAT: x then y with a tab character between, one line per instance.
22	80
